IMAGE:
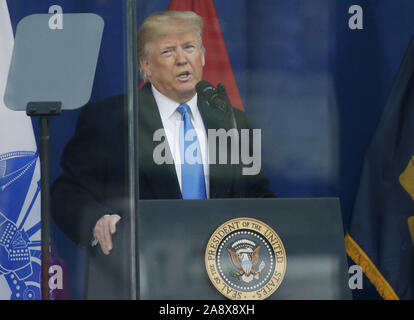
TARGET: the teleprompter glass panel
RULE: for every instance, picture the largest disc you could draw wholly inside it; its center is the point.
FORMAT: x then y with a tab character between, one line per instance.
273	59
311	81
89	166
269	130
288	67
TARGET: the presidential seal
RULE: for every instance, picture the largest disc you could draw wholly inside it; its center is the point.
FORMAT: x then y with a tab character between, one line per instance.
245	259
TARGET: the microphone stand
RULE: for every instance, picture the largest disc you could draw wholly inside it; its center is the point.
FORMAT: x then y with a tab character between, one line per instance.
44	110
223	93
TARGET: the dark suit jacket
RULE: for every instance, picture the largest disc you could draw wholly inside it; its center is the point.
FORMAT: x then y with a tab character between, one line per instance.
95	174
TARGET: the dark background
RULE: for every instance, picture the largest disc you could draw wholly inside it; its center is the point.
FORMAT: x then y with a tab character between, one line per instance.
314	87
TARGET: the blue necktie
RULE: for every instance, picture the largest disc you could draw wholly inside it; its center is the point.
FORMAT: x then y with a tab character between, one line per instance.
192	173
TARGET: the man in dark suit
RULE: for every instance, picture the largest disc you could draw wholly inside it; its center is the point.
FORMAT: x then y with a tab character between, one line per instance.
92	193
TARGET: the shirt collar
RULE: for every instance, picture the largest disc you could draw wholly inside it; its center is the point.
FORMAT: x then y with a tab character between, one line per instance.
167	106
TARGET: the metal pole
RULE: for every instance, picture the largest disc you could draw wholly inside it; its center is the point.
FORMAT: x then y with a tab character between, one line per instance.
132	72
45	203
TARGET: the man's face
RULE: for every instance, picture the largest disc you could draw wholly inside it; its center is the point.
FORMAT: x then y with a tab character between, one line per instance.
174	65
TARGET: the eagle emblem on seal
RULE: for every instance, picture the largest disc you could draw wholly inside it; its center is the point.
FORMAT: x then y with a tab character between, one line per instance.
245	255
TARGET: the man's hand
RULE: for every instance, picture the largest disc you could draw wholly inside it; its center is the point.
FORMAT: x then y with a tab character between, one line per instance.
103	231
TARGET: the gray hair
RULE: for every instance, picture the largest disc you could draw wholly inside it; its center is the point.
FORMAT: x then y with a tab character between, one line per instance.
165	23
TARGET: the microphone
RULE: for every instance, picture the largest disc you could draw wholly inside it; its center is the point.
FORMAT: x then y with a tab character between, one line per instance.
216	98
211	95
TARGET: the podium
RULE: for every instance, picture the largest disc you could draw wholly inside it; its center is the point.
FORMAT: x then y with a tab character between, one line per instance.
172	237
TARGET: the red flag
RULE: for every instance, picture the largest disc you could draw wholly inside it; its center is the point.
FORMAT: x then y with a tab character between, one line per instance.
217	68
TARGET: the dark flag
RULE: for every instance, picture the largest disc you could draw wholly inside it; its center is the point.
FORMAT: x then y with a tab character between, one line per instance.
381	234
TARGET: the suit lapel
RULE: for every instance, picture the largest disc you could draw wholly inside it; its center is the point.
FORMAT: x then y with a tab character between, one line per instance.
161	180
220	174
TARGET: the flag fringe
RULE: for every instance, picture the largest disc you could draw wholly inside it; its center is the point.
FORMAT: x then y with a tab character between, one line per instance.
358	255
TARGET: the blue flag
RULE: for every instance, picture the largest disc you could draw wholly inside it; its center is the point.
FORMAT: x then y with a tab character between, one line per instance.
381	234
20	253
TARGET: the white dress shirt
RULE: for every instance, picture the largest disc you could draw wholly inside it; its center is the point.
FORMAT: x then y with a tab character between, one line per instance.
171	121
